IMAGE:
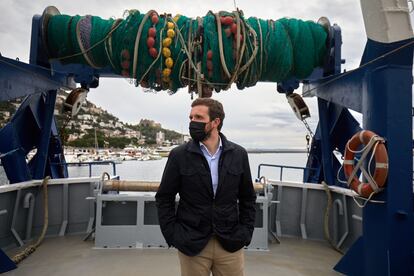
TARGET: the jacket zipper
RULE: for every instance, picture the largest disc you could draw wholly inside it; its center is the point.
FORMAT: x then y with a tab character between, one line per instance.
214	194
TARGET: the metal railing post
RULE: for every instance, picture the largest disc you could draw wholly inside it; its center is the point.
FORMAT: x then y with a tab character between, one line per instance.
281	174
90	165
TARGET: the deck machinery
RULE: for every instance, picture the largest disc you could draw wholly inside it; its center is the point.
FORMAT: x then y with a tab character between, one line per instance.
380	89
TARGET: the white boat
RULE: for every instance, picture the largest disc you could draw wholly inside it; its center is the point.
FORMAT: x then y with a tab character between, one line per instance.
165	151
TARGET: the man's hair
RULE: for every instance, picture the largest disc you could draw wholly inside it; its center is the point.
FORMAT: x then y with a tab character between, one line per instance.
215	109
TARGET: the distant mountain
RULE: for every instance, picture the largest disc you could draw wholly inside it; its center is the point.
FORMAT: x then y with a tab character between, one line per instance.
93	121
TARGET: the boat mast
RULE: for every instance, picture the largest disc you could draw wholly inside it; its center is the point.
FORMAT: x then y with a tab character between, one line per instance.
96	142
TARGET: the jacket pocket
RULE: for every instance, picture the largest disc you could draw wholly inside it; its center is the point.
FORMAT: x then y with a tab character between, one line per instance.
235	170
187	218
191	174
233	179
188	171
194	183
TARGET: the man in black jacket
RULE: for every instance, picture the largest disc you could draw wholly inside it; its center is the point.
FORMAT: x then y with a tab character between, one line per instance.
215	216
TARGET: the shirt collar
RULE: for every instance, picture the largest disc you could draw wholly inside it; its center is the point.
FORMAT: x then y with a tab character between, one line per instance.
218	149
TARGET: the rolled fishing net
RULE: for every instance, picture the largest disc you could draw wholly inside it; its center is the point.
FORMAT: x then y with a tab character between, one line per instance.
162	52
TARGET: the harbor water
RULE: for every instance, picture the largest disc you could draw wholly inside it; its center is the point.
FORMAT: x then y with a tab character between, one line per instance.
152	170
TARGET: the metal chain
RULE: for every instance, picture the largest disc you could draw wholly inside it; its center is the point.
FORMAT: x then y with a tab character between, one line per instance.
308	128
308	136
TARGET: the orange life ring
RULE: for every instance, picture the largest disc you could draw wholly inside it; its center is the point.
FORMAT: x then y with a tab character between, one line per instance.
381	163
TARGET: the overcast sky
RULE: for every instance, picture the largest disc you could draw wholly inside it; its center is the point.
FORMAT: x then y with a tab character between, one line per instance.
255	117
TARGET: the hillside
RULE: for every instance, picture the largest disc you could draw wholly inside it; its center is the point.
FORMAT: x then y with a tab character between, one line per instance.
110	131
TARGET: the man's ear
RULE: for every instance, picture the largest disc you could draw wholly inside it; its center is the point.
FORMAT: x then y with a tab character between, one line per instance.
216	122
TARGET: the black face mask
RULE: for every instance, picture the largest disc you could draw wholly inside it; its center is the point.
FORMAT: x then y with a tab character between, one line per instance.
197	131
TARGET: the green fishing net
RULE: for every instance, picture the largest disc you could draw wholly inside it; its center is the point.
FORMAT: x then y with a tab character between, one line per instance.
199	51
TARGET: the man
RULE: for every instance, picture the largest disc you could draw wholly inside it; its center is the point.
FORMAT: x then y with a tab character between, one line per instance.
215	216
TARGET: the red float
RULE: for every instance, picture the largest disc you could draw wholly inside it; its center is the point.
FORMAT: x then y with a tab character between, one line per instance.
234	28
125	64
125	54
154	19
150	42
152	32
153	52
226	20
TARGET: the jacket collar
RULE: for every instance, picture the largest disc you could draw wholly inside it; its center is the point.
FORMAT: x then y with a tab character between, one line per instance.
195	147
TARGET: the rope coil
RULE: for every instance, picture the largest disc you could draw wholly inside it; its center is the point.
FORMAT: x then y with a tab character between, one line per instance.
32	248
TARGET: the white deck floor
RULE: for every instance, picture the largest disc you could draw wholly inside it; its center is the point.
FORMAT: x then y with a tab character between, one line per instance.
71	256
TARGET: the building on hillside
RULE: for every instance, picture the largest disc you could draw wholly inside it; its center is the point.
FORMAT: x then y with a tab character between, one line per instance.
96	110
183	139
85	117
116	133
103	124
141	141
159	137
85	126
107	132
149	123
73	137
132	134
5	114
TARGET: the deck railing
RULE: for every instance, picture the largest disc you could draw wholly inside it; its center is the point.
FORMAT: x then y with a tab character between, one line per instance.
282	168
90	164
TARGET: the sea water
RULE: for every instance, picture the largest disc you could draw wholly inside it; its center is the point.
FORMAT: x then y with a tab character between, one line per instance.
152	170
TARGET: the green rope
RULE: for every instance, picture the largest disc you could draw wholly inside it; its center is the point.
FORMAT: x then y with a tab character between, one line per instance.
269	51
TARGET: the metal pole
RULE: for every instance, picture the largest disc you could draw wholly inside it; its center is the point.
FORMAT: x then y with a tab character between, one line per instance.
387	244
388	228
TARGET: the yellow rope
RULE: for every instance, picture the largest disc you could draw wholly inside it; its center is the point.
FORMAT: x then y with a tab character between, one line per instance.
32	248
326	218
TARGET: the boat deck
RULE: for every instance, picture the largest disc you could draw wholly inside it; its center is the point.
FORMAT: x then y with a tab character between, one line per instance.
70	255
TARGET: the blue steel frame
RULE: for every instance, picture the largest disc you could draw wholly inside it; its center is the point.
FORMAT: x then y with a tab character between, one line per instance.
381	91
5	263
33	125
